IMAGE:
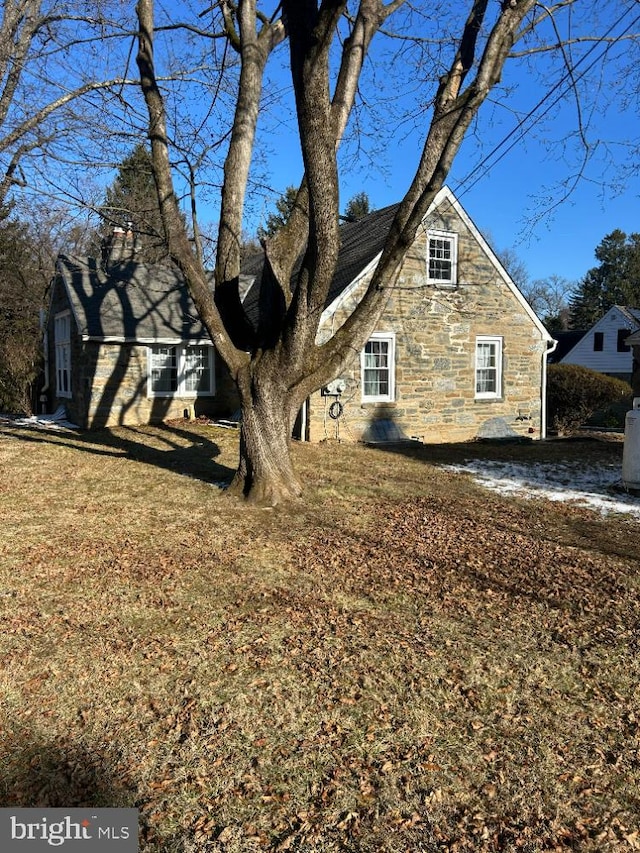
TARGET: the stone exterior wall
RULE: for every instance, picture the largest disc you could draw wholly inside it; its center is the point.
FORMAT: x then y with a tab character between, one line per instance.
115	376
435	342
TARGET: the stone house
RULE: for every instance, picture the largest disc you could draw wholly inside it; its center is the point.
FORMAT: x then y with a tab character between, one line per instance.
457	354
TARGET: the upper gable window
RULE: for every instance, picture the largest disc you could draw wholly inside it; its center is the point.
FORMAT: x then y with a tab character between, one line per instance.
62	344
623	334
443	257
180	371
598	341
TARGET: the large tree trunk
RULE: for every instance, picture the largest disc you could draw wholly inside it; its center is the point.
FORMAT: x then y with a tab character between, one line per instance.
265	472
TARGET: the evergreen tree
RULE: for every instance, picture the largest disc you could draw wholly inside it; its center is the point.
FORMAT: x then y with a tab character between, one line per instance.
276	219
132	198
357	207
616	281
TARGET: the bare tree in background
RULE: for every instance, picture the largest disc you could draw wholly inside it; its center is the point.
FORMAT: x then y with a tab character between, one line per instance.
53	59
277	365
550	298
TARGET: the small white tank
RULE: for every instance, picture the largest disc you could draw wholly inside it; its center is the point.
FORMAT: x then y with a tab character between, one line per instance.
631	451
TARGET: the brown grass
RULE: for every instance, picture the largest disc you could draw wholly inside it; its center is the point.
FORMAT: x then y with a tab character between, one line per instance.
401	662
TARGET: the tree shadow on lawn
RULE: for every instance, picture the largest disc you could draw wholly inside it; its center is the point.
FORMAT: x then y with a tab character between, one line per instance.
585	449
67	774
59	774
193	459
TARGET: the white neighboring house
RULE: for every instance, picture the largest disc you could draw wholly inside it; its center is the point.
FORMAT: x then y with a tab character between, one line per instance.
604	347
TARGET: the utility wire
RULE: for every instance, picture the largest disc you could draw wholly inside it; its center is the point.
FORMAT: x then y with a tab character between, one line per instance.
568	76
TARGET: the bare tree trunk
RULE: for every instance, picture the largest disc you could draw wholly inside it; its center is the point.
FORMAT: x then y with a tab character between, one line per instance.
265	472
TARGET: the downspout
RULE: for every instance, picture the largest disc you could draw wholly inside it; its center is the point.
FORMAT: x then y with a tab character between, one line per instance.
303	421
551	347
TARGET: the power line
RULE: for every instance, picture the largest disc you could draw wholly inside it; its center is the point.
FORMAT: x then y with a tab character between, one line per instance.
569	75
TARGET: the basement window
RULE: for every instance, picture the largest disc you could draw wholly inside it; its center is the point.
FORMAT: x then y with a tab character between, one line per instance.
180	371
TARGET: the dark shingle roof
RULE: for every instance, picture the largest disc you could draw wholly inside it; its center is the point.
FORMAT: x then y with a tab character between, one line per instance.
360	243
566	342
133	301
632	315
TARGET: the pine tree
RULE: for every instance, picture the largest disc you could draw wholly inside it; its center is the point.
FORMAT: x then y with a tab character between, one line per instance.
276	219
132	198
357	207
616	281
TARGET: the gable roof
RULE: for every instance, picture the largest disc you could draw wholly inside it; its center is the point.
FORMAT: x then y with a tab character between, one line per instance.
129	302
341	287
360	243
628	315
150	303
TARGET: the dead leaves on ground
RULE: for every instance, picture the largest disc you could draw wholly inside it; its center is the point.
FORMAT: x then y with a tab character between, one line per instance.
449	676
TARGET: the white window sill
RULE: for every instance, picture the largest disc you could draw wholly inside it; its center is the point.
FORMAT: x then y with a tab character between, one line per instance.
176	395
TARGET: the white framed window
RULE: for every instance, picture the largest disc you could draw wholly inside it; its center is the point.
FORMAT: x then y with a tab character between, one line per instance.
198	370
488	372
180	371
442	260
377	367
62	343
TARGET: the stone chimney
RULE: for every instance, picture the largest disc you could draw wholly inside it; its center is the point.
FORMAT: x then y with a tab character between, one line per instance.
121	247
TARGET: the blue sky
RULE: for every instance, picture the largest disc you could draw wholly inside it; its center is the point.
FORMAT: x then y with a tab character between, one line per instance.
514	200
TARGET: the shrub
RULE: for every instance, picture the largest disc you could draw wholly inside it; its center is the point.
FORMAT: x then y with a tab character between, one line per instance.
574	393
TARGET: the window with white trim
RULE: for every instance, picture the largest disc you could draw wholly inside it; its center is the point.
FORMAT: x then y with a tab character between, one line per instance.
377	363
62	344
488	373
442	260
179	371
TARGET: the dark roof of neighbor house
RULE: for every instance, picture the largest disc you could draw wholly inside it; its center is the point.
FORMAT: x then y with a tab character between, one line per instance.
130	301
566	342
632	315
360	243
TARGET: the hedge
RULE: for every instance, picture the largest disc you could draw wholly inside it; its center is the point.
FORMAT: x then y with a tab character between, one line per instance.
574	393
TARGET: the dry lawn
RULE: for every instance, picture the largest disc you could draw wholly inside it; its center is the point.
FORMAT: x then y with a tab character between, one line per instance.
401	662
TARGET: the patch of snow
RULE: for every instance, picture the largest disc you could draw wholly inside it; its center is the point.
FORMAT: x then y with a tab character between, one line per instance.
58	420
594	487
